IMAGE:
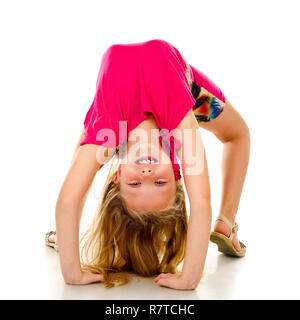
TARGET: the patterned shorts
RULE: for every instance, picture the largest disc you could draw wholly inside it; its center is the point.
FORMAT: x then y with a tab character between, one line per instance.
207	106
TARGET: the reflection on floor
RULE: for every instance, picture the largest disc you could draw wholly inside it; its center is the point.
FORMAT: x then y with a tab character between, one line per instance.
35	274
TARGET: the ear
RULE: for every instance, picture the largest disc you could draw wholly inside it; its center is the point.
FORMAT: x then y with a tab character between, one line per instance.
117	177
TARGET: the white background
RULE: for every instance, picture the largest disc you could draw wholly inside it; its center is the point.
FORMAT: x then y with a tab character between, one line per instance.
49	61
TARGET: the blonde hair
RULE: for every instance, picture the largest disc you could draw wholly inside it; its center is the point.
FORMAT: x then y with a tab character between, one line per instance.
121	241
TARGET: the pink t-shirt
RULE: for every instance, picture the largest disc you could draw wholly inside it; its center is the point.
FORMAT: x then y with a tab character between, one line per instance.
137	78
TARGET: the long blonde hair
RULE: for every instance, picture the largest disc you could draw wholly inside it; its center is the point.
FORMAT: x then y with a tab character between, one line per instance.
121	241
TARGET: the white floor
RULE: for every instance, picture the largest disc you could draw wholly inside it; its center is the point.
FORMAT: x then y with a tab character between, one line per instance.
34	273
270	270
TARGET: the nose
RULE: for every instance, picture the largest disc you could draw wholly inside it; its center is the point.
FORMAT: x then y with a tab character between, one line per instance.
146	171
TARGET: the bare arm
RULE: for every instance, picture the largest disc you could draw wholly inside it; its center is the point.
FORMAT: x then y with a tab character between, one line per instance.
198	227
69	206
198	190
77	145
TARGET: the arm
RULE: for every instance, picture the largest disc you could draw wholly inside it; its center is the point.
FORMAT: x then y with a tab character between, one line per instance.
197	185
198	227
69	208
77	145
198	190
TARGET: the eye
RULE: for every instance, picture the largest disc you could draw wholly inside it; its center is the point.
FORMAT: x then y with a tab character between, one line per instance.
134	183
137	183
161	182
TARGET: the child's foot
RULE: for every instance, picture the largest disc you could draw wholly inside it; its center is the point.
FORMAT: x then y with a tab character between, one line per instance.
221	227
52	238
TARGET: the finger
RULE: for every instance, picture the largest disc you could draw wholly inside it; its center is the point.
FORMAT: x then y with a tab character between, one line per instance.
93	277
97	277
163	276
158	277
165	282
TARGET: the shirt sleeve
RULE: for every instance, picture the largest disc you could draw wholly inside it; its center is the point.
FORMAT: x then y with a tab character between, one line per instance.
209	98
202	81
98	128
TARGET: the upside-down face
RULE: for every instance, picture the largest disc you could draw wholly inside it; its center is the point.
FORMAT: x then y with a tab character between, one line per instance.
146	177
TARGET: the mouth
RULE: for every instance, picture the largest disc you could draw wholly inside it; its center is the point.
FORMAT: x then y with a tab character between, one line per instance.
145	160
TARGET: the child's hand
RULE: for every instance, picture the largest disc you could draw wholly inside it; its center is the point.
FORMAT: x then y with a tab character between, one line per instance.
174	281
87	277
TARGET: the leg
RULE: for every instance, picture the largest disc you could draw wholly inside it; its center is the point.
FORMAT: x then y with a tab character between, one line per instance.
230	128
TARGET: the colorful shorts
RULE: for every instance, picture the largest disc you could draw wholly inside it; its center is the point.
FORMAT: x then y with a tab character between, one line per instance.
207	106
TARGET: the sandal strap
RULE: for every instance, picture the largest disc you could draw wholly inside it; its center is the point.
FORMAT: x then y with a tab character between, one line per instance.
233	227
242	245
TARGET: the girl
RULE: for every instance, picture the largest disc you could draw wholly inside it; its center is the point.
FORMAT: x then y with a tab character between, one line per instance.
141	223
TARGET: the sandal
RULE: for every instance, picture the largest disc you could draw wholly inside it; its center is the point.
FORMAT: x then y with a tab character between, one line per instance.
48	243
224	243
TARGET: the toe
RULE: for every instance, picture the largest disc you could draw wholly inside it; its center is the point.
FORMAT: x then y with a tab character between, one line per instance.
52	238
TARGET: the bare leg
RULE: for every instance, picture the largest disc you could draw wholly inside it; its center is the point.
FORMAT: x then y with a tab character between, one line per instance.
230	128
234	167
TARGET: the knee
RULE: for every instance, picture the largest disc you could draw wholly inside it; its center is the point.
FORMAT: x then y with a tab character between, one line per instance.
241	132
245	132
